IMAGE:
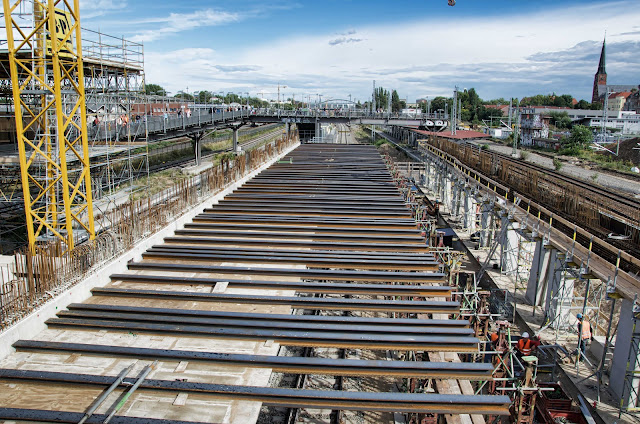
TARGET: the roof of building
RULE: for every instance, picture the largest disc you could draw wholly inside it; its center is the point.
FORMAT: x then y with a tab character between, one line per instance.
460	134
624	94
617	88
499	107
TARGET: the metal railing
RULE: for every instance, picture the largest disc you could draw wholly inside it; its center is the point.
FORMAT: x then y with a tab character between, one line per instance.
146	125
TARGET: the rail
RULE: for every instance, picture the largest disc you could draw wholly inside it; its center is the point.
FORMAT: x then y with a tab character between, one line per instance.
614	266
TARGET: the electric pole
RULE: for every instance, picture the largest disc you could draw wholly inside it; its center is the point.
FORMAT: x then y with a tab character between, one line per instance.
515	130
454	111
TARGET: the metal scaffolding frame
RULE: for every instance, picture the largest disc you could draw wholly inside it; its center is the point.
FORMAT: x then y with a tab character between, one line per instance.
76	76
50	114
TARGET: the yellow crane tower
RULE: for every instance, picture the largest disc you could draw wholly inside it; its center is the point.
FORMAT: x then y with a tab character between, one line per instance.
47	80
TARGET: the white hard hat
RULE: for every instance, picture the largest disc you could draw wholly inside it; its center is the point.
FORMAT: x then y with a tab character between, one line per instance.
525	335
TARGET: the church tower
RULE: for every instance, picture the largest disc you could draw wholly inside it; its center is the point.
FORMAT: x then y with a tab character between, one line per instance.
600	77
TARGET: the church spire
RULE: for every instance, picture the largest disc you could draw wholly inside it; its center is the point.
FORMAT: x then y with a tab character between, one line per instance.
600	79
601	69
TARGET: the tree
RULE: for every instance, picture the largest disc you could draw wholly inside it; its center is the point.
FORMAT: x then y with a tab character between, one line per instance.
596	106
560	119
154	89
183	95
566	100
204	96
490	112
382	98
438	103
582	104
500	101
396	104
580	137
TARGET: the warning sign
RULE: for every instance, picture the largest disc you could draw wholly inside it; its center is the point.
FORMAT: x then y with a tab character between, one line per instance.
63	28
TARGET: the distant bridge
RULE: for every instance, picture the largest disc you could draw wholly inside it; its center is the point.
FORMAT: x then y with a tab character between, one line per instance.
157	128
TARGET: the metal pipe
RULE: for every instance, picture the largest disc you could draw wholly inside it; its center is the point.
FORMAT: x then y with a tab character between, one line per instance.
98	401
143	375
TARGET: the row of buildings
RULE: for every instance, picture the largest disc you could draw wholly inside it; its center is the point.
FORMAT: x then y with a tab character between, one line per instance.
620	112
535	120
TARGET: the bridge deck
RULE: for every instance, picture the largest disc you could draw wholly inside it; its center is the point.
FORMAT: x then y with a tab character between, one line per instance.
215	304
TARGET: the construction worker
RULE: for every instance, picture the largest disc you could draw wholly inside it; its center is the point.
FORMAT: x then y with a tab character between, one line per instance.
584	333
527	345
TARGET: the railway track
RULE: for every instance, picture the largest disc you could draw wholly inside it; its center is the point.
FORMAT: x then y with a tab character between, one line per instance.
616	197
247	145
620	203
625	253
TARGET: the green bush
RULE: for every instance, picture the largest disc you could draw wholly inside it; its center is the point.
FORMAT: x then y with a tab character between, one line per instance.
571	151
557	164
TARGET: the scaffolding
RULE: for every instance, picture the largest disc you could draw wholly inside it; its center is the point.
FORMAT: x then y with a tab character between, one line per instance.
47	83
57	161
116	127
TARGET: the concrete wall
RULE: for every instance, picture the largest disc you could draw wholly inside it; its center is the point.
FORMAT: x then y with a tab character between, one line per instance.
34	323
621	352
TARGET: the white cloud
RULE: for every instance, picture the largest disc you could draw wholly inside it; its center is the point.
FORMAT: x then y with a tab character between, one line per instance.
344	40
92	8
178	22
534	52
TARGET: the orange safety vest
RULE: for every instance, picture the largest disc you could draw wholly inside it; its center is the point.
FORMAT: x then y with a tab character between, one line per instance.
525	346
586	330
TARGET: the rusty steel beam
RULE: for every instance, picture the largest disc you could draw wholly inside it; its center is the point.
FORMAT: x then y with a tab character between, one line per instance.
285	337
302	287
265	324
310	262
364	213
50	416
240	196
377	223
296	398
324	303
414	239
286	364
318	274
309	204
311	191
334	319
342	254
226	241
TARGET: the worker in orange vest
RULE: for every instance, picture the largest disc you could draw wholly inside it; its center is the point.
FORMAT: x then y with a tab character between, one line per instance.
584	333
527	345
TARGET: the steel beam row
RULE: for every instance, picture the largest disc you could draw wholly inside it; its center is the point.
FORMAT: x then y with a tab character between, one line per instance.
358	401
324	229
372	289
317	303
288	364
315	274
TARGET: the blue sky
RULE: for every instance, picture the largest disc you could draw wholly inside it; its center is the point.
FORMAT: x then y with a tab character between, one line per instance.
503	48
